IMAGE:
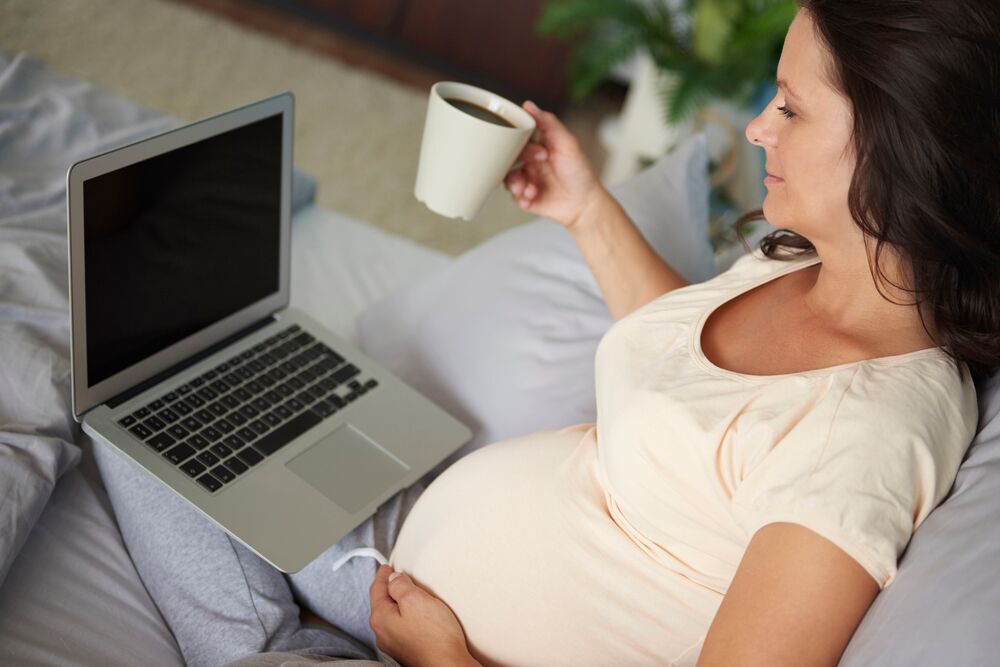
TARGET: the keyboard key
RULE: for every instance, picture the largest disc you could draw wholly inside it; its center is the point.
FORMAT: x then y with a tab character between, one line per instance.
208	458
195	400
354	385
247	434
222	473
371	384
217	408
207	394
211	434
182	407
210	482
258	426
268	359
285	388
184	389
273	397
305	397
197	382
243	394
259	347
198	441
294	404
271	419
193	468
126	421
179	453
249	456
141	413
307	375
236	418
248	411
254	387
160	441
156	405
265	380
284	434
219	386
205	417
327	384
232	379
170	396
317	391
351	397
236	465
191	423
336	400
255	366
208	376
234	442
283	411
154	423
303	338
244	373
230	401
246	354
220	449
261	403
140	431
346	373
178	431
168	416
222	368
223	426
324	408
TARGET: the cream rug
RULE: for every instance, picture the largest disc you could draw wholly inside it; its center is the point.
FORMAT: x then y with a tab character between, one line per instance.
357	133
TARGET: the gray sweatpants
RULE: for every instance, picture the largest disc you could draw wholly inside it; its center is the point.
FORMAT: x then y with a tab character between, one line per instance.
220	600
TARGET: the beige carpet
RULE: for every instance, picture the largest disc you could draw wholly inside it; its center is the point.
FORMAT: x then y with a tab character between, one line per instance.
358	134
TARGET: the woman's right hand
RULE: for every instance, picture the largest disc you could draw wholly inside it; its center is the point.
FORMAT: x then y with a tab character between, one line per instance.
555	180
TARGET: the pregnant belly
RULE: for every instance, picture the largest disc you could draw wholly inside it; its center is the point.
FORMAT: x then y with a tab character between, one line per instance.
517	540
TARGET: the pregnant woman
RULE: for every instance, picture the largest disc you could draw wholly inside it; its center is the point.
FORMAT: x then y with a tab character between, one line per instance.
766	442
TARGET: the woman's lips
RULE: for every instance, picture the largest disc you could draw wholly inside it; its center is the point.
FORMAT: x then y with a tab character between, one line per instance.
771	179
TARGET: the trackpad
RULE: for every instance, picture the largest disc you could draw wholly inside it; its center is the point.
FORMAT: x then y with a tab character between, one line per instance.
348	468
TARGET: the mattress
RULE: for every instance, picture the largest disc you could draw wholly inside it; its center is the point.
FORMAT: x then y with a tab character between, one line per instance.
72	596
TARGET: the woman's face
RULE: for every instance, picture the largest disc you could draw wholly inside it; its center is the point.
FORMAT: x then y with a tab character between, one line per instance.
805	132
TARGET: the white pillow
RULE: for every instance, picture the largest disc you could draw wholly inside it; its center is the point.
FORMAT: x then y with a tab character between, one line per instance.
504	337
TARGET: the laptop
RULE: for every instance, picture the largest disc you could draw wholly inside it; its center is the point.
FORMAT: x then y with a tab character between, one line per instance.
187	359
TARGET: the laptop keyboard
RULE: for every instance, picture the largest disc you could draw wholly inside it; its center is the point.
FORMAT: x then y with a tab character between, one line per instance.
224	422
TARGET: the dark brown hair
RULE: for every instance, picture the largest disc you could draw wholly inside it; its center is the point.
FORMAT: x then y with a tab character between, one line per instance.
923	77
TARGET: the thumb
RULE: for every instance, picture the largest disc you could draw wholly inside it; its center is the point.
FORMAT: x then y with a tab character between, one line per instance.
401	586
553	132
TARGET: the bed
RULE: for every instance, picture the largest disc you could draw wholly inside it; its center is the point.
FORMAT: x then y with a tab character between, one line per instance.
453	328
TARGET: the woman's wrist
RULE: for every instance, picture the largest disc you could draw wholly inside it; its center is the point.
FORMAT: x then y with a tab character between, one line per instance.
596	207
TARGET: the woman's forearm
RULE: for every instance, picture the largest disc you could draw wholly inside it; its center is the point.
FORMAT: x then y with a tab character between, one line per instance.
628	271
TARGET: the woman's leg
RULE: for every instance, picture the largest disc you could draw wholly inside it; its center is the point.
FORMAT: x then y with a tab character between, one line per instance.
321	590
220	600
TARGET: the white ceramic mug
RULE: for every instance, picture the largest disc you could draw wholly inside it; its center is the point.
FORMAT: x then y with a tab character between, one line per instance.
463	158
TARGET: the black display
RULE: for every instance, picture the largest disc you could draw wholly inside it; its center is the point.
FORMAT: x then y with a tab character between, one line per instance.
177	242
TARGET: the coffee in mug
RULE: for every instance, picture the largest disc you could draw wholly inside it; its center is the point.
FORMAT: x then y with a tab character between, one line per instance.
471	139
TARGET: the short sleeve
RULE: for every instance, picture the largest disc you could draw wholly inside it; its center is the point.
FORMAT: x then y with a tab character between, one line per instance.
868	462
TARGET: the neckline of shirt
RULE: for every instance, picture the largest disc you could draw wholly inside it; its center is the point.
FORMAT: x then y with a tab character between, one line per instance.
696	351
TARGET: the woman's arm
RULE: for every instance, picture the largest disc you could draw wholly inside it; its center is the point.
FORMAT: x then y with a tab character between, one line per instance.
796	600
628	270
556	181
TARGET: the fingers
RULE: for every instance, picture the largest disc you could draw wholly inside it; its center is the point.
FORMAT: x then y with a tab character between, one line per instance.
553	133
381	600
401	587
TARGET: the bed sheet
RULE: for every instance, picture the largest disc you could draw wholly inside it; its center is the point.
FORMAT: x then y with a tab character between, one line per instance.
72	597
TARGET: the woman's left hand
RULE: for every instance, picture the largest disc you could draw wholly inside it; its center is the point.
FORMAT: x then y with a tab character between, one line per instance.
413	626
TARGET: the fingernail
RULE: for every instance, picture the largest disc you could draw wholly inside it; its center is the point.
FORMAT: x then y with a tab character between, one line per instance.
532	105
541	155
394	575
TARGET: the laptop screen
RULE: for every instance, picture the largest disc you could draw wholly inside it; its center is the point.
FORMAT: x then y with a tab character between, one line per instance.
179	241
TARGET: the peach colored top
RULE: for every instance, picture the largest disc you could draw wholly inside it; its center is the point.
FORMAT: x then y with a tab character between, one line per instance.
614	544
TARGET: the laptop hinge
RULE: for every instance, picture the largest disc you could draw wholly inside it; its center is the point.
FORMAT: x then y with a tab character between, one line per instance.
115	401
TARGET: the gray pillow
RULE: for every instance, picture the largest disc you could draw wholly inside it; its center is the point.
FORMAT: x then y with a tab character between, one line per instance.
943	606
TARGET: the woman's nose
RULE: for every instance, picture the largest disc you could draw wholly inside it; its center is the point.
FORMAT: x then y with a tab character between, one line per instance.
758	132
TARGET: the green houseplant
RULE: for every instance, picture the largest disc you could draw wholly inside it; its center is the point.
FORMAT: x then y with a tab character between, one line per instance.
714	49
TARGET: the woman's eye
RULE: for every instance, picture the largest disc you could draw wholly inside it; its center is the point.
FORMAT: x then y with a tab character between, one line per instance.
786	112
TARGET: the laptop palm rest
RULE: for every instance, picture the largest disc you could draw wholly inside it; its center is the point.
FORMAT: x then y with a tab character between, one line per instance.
348	468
